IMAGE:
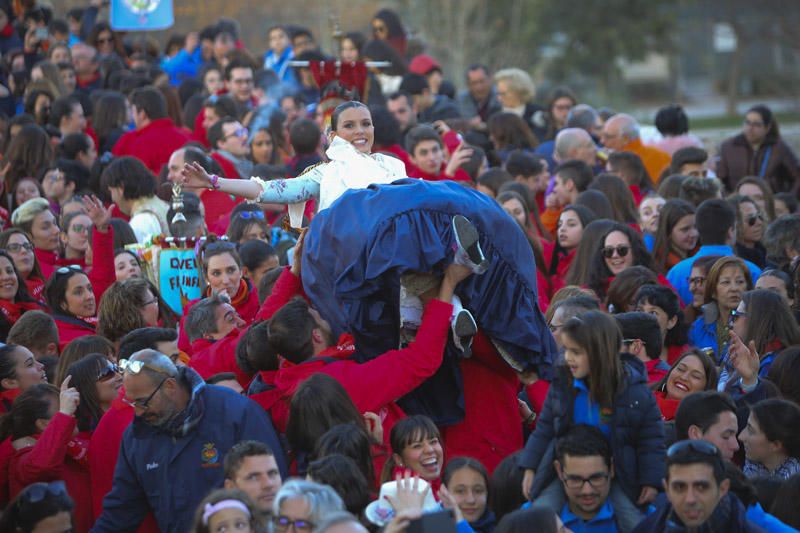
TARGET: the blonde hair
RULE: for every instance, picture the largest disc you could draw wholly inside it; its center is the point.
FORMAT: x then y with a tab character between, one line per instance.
518	81
23	216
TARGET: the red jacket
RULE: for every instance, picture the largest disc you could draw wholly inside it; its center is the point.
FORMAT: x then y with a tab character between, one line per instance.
6	454
245	304
103	451
228	168
211	357
56	455
152	144
102	275
491	429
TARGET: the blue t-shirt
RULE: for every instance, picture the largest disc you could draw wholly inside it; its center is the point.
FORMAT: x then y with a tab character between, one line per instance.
603	522
586	411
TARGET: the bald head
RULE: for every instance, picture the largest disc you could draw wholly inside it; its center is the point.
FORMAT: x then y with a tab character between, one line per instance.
620	130
574	143
156	365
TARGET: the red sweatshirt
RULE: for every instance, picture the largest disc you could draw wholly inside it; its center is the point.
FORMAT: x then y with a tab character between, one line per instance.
56	455
152	144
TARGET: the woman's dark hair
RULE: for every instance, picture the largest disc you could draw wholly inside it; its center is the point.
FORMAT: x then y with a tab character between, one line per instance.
709	366
25	514
671	121
741	487
773	132
84	374
779	420
587	249
599	272
775	320
540	519
357	38
30	102
73	144
406	432
342	474
319	403
784	373
255	253
665	299
766	192
597	203
670	187
504	486
787	198
33	404
22	289
110	114
275	159
602	343
672	213
79	348
123	234
457	463
132	175
586	216
619	195
29	153
387	129
55	290
785	507
352	104
621	295
8	363
20	181
353	441
509	131
99	28
239	224
214	247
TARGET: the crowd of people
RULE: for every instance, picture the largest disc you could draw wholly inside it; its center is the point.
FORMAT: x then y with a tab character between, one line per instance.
485	310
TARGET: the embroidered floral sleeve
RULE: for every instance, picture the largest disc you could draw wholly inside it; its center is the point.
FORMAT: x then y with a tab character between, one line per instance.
289	191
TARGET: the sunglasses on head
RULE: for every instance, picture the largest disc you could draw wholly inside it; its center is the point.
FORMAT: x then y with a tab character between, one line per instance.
622	251
69	268
697	446
247	215
39	491
135	367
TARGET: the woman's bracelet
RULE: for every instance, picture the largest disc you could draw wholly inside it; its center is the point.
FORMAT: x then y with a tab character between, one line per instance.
214	182
530	419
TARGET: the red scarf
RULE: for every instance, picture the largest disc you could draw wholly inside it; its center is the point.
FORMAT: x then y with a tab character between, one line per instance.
667	406
13	310
241	295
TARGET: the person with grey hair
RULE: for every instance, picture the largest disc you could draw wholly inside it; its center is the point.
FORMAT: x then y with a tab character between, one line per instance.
303	505
782	241
182	430
621	134
340	522
575	143
585	117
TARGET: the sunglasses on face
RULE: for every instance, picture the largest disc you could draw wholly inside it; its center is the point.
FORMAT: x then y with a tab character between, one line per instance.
79	228
108	372
17	247
240	132
697	280
621	250
734	316
751	220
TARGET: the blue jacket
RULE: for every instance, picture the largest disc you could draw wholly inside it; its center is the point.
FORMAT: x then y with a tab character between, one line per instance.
703	331
678	275
183	65
170	476
636	432
356	250
733	520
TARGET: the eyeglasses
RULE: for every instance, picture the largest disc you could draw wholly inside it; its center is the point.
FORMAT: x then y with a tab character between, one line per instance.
697	446
596	481
240	81
144	404
240	132
622	251
16	247
69	268
247	215
282	524
56	176
751	124
751	220
38	491
735	315
698	280
631	341
554	327
108	372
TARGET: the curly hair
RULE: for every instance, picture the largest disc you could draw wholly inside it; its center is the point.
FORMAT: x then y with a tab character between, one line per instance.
120	308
